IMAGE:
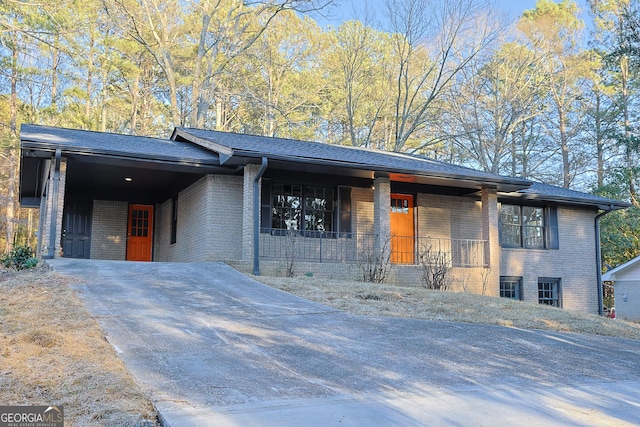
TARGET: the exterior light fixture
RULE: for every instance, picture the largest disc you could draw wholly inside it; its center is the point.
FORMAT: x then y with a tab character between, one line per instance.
128	179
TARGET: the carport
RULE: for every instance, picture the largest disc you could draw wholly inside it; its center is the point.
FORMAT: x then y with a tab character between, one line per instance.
96	191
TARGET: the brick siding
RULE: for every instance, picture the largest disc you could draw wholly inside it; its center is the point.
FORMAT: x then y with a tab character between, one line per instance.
46	211
209	223
574	263
109	230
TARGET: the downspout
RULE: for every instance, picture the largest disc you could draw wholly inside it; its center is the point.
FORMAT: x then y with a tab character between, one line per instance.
256	217
51	250
599	257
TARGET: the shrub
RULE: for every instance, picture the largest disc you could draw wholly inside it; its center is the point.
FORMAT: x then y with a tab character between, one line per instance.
20	258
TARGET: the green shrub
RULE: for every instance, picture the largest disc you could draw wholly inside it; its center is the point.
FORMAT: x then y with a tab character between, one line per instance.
20	258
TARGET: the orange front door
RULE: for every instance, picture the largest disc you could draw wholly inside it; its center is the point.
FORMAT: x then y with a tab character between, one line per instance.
140	233
402	230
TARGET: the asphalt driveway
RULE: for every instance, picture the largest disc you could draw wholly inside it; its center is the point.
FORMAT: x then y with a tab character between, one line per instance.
212	347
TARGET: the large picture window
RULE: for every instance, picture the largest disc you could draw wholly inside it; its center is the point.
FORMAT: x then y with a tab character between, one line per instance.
303	207
528	227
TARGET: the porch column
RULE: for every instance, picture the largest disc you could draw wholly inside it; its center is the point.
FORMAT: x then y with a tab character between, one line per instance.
491	236
250	173
50	237
382	214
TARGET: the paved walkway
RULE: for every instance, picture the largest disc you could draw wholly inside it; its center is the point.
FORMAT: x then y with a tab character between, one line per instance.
215	348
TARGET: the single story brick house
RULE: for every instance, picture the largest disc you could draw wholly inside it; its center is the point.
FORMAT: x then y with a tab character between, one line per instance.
272	204
626	285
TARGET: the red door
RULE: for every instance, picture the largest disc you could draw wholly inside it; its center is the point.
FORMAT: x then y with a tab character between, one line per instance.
140	233
402	230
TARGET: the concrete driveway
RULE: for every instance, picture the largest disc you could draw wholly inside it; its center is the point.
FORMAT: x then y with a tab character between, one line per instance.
212	347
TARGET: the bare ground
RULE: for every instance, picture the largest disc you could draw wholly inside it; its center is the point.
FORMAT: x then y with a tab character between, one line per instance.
420	303
53	353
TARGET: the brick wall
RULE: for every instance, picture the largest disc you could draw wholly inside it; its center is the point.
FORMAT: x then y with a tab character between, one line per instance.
209	223
225	217
109	230
163	250
449	217
362	210
193	229
574	263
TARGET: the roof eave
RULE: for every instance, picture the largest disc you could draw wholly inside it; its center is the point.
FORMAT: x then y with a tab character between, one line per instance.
115	154
503	184
605	205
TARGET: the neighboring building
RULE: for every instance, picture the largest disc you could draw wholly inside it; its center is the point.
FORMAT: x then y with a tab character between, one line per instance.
205	195
626	289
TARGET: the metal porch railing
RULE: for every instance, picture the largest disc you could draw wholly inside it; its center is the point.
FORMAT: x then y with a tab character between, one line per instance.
322	246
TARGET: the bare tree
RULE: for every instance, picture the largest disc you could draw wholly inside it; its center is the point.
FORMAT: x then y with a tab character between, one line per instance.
553	31
497	94
434	40
193	42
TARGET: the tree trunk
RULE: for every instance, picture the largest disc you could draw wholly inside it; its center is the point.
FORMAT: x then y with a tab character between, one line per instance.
624	68
566	167
12	172
599	140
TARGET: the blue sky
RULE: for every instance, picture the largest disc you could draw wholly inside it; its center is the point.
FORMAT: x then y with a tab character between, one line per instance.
350	9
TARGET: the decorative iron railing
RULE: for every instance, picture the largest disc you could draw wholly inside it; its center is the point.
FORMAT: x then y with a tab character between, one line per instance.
322	246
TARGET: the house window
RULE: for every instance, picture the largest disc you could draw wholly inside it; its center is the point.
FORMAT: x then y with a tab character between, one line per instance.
549	292
529	227
174	220
400	205
298	207
511	287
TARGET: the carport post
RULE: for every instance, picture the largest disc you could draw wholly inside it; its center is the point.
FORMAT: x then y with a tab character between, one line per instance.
51	250
256	217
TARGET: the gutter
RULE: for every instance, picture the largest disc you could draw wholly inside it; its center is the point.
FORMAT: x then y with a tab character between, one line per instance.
256	217
599	255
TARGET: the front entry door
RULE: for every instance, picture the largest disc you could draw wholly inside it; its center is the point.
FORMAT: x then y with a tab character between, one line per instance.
402	230
76	231
140	233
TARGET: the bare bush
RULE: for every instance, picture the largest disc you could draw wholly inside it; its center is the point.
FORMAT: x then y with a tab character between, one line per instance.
374	262
435	267
290	252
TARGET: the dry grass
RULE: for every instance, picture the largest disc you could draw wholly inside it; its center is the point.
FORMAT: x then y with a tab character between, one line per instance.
53	352
419	303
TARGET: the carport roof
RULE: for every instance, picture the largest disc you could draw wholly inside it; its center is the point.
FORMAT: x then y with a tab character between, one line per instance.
84	142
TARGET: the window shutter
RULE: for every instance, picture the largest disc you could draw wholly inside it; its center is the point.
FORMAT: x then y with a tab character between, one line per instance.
553	241
265	204
344	194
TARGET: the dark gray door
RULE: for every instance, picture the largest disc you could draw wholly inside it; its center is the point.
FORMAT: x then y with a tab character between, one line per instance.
76	230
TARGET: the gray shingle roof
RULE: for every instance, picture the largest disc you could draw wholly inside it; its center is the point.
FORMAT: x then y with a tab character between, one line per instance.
89	142
281	148
540	191
118	145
